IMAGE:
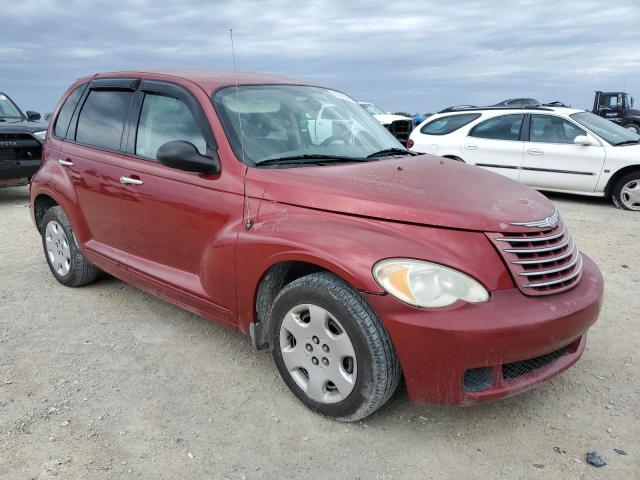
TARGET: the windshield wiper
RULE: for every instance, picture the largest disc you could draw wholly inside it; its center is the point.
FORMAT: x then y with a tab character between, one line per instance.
309	158
391	151
627	142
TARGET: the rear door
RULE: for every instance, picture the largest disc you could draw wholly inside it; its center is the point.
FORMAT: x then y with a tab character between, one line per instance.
91	157
177	223
553	161
496	145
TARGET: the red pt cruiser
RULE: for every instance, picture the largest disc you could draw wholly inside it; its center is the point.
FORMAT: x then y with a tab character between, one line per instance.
284	210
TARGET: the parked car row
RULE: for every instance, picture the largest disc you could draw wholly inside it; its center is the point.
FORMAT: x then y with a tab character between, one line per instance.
549	148
287	212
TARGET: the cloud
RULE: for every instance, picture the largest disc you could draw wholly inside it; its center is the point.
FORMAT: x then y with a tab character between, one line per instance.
405	55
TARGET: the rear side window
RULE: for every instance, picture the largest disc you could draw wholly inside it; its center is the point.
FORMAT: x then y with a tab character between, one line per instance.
505	127
451	123
66	112
551	129
101	120
164	119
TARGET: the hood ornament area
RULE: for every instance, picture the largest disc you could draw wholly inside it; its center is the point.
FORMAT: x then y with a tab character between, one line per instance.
548	222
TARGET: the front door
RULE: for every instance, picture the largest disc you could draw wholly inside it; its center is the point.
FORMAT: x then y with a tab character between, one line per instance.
552	160
495	145
179	225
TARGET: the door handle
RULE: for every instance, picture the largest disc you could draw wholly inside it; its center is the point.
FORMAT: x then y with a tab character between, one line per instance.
130	181
65	163
471	146
535	151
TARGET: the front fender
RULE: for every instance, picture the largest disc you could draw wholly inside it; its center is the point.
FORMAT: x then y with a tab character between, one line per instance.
349	246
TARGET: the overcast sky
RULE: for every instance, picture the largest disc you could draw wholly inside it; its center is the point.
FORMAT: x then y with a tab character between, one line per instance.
417	56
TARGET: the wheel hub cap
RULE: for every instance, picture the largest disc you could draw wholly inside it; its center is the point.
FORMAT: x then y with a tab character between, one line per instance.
318	353
630	195
58	249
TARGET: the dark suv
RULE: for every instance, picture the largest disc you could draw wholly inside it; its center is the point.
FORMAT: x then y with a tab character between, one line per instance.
21	139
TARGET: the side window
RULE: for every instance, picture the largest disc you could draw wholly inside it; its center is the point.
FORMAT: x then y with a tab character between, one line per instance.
448	124
550	129
505	127
66	112
164	119
101	120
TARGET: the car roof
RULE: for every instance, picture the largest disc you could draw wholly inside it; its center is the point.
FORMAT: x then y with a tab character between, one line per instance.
209	79
496	111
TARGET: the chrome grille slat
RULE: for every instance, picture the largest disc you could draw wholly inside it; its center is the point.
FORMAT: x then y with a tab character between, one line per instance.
532	239
540	250
553	270
542	255
549	260
559	280
553	219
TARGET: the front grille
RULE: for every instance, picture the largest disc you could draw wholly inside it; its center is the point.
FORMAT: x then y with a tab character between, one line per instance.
542	261
19	146
477	379
401	129
480	379
523	367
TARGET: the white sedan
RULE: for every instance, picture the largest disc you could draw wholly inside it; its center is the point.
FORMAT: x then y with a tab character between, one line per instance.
548	148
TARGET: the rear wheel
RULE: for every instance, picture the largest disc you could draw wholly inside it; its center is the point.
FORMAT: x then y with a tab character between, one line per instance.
633	127
61	250
626	192
330	348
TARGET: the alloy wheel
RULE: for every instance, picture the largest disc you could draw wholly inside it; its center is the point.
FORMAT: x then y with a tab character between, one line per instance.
630	195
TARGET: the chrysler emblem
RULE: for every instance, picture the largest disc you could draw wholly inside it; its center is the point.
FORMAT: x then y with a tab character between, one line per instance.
548	222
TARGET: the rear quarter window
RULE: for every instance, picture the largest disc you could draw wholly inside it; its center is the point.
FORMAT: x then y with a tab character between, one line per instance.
66	112
448	124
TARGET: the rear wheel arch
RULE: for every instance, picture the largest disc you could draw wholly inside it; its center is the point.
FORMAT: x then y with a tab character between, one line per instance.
41	205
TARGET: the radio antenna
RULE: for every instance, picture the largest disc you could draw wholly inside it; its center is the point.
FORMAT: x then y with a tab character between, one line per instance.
249	220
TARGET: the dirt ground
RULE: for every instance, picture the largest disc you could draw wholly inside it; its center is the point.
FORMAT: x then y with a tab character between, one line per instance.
108	382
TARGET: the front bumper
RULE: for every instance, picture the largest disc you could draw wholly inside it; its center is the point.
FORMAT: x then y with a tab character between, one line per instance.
18	169
437	348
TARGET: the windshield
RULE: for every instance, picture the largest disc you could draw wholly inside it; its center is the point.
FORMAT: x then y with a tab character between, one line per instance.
607	130
277	121
8	109
373	109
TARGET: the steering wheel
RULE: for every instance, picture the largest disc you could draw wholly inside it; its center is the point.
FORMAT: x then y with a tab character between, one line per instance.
331	139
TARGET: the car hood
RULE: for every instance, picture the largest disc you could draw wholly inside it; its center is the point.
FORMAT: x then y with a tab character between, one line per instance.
425	190
388	118
22	126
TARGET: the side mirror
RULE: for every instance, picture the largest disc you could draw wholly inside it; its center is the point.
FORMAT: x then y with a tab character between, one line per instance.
583	140
185	156
33	116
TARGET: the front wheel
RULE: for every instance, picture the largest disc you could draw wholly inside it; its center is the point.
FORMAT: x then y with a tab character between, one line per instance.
633	127
626	192
331	349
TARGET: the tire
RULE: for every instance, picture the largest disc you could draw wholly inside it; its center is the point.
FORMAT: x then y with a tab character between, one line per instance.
635	128
365	376
65	260
623	194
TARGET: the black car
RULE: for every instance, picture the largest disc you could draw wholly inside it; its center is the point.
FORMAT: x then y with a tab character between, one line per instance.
21	138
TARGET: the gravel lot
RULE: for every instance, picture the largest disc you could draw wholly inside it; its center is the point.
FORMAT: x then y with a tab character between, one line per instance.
108	382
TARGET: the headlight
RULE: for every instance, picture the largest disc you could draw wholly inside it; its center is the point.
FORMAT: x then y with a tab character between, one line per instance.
426	284
41	134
